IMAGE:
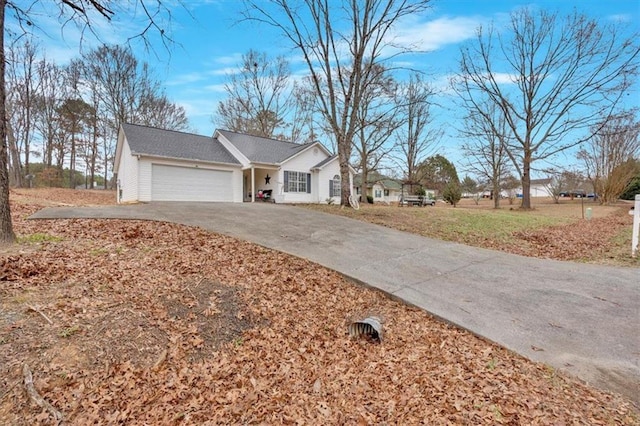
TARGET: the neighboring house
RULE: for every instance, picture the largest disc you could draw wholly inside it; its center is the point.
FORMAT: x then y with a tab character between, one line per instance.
382	188
163	165
539	188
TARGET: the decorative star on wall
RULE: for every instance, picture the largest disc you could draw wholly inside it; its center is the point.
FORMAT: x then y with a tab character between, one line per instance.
267	179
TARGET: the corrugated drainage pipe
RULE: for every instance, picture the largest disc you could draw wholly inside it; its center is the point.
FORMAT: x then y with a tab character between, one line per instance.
370	327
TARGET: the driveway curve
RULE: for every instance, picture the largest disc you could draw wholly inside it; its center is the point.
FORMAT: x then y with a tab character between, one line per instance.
582	319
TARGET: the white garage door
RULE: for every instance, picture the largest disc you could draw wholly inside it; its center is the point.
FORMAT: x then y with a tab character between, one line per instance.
171	183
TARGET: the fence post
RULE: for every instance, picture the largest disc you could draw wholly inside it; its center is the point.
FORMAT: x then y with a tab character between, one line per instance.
636	226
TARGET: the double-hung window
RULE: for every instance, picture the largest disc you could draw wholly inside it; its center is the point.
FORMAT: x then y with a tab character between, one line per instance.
297	181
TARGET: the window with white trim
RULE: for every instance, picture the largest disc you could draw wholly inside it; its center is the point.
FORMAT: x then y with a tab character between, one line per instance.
378	193
334	186
297	182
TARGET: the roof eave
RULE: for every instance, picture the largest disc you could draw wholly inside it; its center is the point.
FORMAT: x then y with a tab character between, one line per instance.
164	157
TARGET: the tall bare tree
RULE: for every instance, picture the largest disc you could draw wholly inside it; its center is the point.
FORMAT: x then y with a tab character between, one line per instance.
23	85
47	100
485	148
552	77
126	92
416	138
340	42
611	157
377	123
156	110
258	96
83	15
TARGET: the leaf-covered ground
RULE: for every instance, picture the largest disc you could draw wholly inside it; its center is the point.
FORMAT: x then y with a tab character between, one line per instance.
135	322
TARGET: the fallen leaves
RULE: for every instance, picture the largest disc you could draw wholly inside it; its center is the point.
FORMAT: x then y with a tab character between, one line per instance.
177	325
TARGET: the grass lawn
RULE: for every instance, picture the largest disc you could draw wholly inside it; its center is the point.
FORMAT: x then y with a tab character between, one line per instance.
549	230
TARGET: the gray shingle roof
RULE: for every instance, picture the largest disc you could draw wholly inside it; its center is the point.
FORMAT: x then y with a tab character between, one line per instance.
263	150
325	161
172	144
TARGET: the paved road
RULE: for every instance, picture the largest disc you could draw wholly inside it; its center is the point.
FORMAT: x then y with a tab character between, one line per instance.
583	319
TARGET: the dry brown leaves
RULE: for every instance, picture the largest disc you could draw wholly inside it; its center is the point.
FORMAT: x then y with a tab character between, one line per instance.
583	240
155	323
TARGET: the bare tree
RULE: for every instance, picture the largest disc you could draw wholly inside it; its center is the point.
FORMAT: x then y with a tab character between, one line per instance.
258	96
553	78
611	157
156	110
416	138
377	122
302	122
562	182
23	85
82	14
120	81
126	92
333	51
51	92
485	147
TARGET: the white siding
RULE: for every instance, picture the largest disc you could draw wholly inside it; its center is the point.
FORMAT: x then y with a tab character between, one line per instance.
128	175
327	174
144	180
301	163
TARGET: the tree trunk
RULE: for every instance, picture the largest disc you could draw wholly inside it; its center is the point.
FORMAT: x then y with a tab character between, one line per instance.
72	162
363	186
6	227
343	158
526	182
15	165
496	194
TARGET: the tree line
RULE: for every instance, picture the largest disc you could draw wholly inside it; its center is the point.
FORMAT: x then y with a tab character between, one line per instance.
65	119
538	87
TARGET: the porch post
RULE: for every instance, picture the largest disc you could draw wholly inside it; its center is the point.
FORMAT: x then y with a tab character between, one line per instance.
253	185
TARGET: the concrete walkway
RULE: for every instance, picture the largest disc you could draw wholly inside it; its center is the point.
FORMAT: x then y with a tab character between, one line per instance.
582	319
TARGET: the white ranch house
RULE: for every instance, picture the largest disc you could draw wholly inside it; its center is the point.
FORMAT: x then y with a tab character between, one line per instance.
162	165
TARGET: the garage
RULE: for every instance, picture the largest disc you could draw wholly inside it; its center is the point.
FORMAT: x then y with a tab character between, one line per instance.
174	183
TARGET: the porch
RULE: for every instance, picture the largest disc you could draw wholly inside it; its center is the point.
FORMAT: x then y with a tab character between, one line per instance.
260	184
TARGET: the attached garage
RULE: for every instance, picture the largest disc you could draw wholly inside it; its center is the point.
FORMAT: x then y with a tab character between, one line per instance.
174	183
154	164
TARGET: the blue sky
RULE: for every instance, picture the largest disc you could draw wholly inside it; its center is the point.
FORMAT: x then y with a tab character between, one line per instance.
211	39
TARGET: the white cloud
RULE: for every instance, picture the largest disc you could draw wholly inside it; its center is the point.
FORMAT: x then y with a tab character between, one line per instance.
438	33
620	17
216	88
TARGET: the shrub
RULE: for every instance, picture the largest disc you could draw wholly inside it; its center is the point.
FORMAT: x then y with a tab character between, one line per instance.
452	193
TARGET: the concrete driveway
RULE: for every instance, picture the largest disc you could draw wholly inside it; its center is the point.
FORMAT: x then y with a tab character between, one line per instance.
582	319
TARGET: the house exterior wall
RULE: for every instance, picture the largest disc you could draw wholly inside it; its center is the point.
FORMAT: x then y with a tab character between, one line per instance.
127	176
539	191
326	174
300	163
